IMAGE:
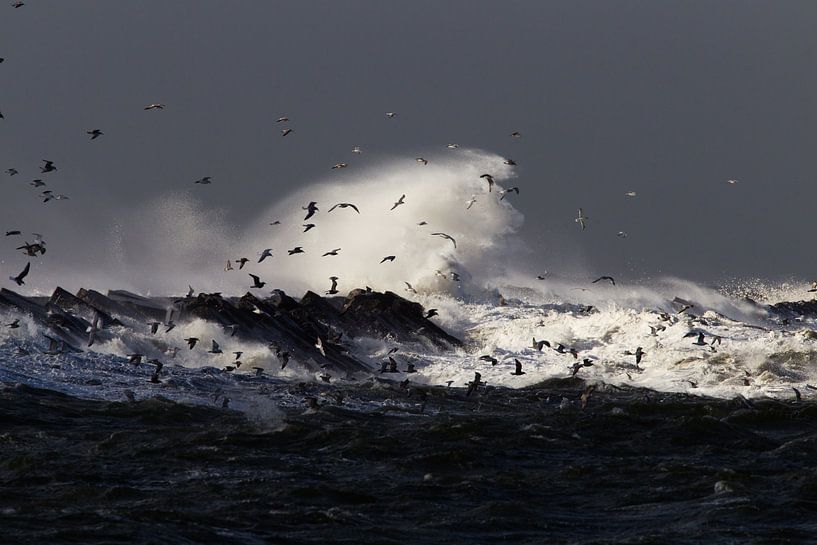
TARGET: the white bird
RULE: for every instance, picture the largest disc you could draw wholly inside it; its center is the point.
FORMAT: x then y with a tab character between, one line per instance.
453	146
155	106
630	194
422	161
449	237
319	346
471	202
390	114
732	182
581	219
356	149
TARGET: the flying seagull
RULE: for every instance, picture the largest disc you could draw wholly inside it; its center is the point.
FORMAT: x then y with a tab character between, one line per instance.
516	134
282	119
285	132
581	219
256	282
422	161
308	226
409	288
504	192
332	252
12	233
430	313
36	183
11	171
155	106
296	250
401	200
204	181
241	262
471	202
490	359
732	182
510	162
518	370
19	278
94	133
311	208
449	237
357	150
630	194
216	349
319	346
334	289
267	252
390	114
345	205
608	278
388	258
340	165
490	179
453	146
48	166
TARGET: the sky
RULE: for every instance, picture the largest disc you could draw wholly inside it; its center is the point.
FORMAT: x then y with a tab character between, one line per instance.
667	99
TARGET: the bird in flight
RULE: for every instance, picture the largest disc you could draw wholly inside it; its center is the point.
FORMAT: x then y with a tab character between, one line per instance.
48	166
581	219
282	119
20	277
518	370
345	205
285	132
388	258
296	250
340	165
311	208
331	252
241	262
470	202
390	114
490	179
155	106
608	278
422	161
630	194
308	226
204	181
216	349
400	201
256	282
267	252
357	150
449	237
504	192
94	133
516	134
11	171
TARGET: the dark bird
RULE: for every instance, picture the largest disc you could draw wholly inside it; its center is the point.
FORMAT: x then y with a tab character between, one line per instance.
265	254
608	278
308	226
504	192
32	249
311	208
155	106
19	278
48	166
422	223
204	181
256	282
11	171
296	250
539	344
430	313
154	327
345	205
216	349
578	365
400	201
135	359
12	233
700	340
516	134
238	355
797	395
55	347
491	359
332	252
241	262
14	325
283	357
409	288
410	368
285	132
191	342
94	133
813	287
258	371
448	237
388	258
518	370
334	289
36	183
639	353
169	326
490	179
474	384
17	4
276	222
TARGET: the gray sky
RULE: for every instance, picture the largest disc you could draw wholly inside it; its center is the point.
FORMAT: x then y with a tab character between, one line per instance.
668	99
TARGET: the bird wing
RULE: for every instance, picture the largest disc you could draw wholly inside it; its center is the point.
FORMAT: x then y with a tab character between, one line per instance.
332	208
355	207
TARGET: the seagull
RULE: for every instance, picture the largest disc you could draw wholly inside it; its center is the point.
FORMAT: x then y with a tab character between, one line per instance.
390	114
334	289
430	313
191	342
17	4
154	327
204	181
340	165
813	287
311	208
256	282
155	106
276	222
19	278
36	183
282	119
504	192
539	344
11	171
357	150
135	359
518	370
345	205
12	233
488	358
516	134
32	250
490	179
621	234
215	349
94	133
510	162
474	384
229	266
700	340
319	346
630	194
388	258
449	237
580	219
422	223
422	161
14	325
732	182
48	166
471	202
308	226
241	262
639	353
578	365
267	252
609	278
333	252
409	288
190	291
296	250
541	276
453	146
169	327
285	132
400	201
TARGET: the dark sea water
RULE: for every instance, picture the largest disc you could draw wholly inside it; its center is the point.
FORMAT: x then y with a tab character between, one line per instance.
379	464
